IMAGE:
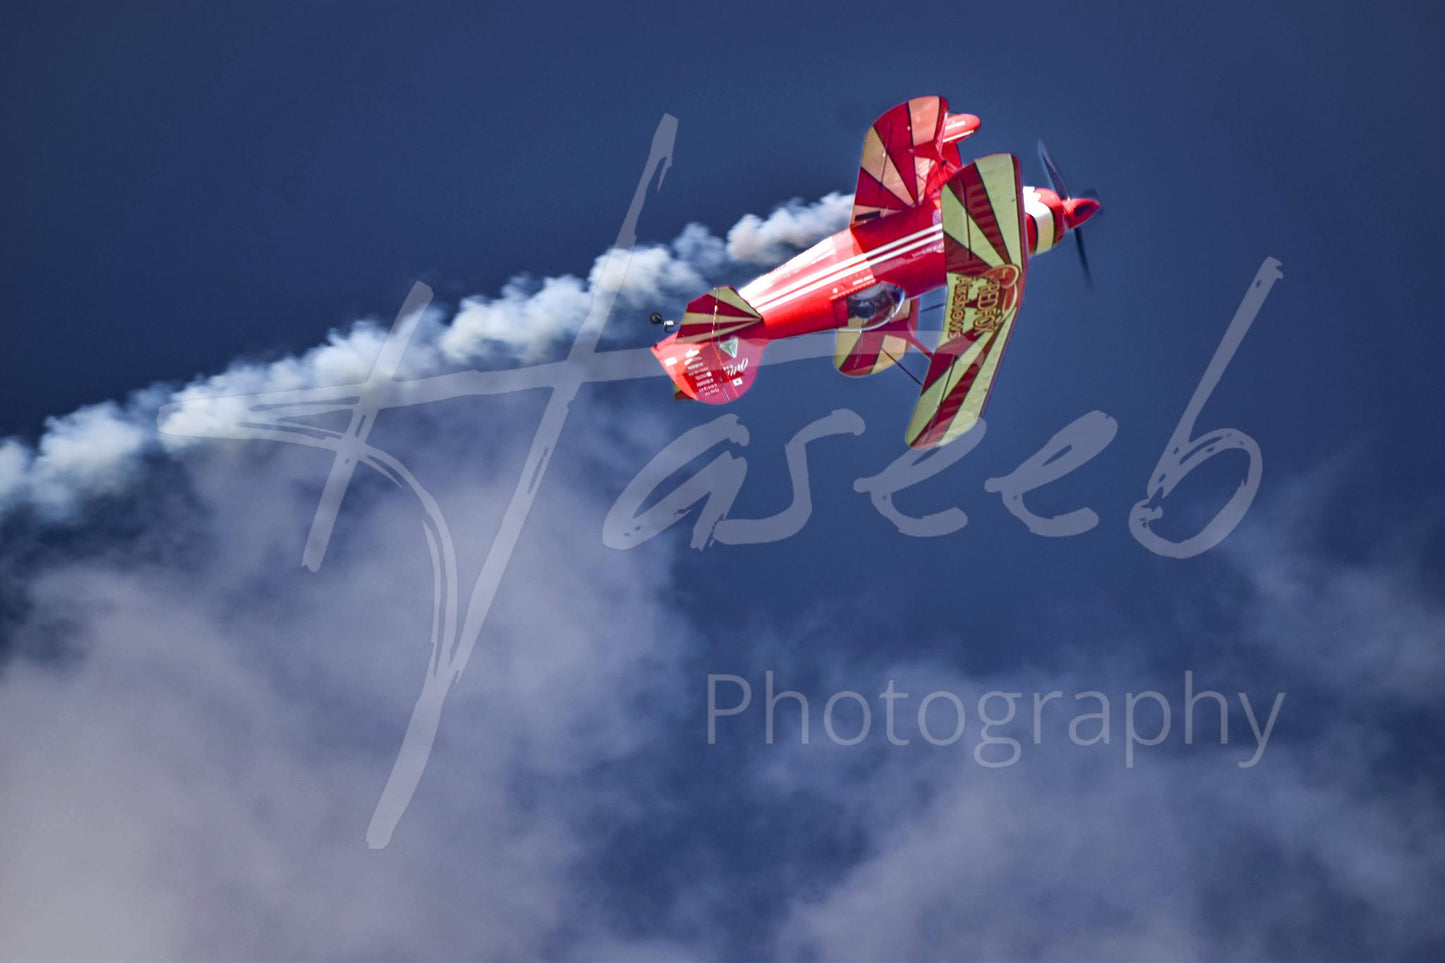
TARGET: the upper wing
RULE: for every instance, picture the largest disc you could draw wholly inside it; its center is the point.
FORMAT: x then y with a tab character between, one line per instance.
906	153
986	256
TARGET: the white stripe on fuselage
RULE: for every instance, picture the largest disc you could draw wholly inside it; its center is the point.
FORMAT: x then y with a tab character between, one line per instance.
877	257
836	272
1045	230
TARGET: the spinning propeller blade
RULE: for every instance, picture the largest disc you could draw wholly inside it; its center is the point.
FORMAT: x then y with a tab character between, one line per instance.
1056	179
1083	258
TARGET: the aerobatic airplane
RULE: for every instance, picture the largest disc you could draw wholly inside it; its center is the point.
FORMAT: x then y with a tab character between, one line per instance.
921	219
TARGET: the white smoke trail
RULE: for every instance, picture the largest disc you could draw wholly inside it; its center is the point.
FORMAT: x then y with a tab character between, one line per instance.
99	450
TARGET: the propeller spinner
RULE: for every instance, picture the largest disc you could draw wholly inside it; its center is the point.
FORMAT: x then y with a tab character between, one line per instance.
1077	210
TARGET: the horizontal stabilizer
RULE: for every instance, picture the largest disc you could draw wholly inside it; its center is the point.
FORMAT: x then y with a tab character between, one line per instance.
720	313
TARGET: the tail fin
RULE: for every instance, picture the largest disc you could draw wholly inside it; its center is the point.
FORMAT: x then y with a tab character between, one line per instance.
710	358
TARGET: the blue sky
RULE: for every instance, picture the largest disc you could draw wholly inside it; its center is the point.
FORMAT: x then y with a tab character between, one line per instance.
196	730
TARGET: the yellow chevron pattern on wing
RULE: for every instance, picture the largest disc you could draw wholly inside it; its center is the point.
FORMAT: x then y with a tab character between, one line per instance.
861	350
869	352
938	390
960	225
973	402
999	173
984	294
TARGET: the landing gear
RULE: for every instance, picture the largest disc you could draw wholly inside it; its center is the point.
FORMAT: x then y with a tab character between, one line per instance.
656	318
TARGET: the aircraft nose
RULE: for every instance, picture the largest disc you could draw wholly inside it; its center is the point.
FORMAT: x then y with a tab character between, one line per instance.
1080	209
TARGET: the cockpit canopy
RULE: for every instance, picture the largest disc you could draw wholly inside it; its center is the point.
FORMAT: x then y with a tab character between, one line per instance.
873	305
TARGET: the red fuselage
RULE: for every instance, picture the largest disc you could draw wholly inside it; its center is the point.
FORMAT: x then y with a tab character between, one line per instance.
868	278
904	249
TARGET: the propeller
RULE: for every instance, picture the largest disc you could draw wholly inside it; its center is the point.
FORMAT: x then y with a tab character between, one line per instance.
1056	179
1083	258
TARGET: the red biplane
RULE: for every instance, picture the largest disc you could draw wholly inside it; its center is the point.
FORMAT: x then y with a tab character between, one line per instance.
921	219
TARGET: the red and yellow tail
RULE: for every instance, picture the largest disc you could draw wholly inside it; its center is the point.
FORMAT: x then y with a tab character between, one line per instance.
710	358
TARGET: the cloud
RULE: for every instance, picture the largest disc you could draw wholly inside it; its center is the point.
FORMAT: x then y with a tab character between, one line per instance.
196	782
1365	626
194	778
1332	848
1069	855
15	458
